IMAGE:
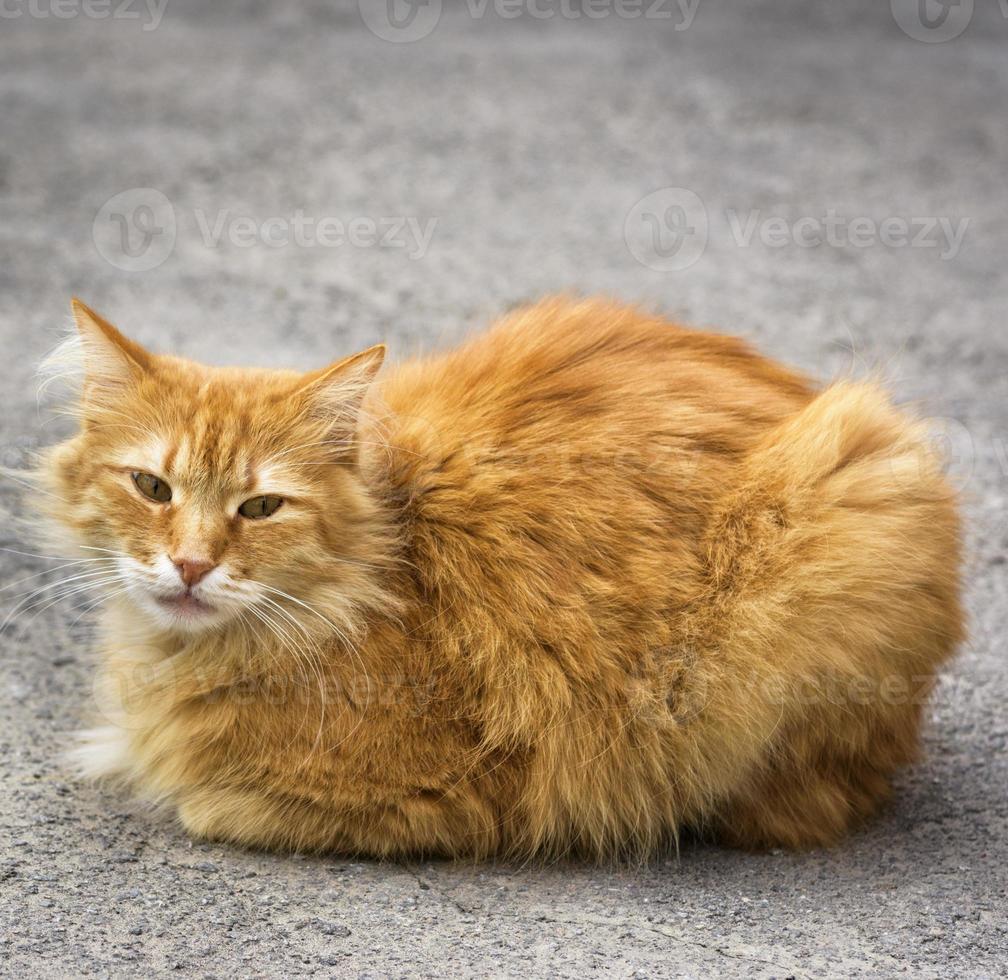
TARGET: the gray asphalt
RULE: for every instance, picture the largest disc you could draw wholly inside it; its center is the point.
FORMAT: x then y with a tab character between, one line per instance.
536	145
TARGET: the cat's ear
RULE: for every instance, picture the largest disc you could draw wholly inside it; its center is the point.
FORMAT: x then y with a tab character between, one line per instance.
110	360
94	364
336	393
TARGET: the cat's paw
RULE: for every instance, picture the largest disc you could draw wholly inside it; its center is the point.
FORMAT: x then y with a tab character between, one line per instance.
100	753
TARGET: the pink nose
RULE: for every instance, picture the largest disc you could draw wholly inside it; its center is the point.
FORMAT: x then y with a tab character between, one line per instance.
193	569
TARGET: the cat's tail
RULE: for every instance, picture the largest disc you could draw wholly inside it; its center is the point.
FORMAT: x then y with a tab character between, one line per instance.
835	576
847	498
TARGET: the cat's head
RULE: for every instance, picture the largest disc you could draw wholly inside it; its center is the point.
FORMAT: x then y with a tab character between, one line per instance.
208	495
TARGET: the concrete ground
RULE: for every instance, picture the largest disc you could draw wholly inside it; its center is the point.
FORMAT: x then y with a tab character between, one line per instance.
795	172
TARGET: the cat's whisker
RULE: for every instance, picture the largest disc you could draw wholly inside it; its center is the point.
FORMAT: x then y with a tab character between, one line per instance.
63	581
34	601
98	602
269	623
25	484
305	605
36	594
50	571
49	601
251	647
32	554
294	599
274	660
294	621
111	551
314	666
343	637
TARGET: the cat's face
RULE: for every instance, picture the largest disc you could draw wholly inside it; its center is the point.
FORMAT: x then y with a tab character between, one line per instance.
212	494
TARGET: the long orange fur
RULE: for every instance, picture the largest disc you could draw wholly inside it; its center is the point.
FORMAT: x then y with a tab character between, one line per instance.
584	582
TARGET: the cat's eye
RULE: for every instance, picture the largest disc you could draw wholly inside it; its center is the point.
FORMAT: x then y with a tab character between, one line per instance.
257	507
153	487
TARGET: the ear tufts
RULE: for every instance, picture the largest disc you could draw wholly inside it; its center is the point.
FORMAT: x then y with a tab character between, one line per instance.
106	351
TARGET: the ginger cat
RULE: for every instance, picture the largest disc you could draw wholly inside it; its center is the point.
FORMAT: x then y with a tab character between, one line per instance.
584	582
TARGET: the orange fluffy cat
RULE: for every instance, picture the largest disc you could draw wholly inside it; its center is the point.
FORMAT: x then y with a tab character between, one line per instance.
587	581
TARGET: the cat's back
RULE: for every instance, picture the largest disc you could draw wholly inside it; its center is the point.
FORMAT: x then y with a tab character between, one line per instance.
573	445
586	378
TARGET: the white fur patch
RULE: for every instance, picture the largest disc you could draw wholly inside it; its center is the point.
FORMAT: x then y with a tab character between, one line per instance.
100	753
62	369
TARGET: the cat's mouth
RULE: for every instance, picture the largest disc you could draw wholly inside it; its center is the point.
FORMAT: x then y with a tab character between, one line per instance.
185	604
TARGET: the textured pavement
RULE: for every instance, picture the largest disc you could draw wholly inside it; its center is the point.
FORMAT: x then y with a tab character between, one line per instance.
795	172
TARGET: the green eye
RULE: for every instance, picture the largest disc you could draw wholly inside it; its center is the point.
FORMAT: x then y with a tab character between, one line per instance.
257	507
153	487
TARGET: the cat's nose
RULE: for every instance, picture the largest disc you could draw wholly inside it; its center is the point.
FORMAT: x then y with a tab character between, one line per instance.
193	569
